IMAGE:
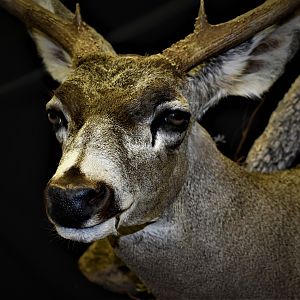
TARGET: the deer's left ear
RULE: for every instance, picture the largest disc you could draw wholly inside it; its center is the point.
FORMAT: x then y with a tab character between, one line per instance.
56	60
251	68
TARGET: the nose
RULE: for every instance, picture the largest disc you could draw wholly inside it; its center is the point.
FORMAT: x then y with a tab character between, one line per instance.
73	206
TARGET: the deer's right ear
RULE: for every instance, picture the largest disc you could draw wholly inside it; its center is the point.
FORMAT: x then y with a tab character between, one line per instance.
56	60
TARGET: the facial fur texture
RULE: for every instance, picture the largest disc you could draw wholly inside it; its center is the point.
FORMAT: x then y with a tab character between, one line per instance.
110	105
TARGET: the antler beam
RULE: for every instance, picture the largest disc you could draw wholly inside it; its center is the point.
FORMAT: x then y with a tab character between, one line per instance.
62	26
208	40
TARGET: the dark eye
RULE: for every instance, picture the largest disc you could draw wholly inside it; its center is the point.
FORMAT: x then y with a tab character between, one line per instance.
56	118
176	120
172	122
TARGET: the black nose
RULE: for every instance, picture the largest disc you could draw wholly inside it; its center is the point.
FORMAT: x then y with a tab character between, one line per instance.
73	206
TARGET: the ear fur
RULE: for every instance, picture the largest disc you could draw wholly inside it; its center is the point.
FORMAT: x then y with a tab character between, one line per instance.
251	68
56	60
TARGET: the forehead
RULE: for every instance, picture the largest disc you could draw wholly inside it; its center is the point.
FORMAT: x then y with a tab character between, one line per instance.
116	86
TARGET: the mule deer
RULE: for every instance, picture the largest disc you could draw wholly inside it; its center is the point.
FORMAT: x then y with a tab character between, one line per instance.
138	168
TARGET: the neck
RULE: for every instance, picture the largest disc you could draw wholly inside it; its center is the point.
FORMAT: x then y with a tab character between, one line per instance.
161	249
218	234
210	181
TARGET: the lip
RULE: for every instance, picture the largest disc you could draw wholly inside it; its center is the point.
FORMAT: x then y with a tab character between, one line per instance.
89	234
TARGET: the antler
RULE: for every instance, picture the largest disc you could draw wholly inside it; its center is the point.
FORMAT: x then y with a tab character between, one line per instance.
81	40
207	39
62	26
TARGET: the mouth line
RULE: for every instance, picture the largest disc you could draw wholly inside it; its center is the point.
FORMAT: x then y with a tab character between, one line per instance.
116	217
94	232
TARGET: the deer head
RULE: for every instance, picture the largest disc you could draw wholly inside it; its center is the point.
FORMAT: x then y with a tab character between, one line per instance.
123	121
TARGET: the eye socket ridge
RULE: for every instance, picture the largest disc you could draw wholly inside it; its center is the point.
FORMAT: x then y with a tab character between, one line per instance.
56	118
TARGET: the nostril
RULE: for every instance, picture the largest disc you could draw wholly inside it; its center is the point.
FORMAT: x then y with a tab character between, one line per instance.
103	191
99	195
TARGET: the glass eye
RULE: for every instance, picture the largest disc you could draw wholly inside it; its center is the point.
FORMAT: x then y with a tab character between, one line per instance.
178	119
175	120
54	118
170	121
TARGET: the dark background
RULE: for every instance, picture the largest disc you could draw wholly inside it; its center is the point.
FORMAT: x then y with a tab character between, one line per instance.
34	260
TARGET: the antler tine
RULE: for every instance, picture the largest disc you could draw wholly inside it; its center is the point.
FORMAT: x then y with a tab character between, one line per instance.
77	17
201	21
64	27
208	40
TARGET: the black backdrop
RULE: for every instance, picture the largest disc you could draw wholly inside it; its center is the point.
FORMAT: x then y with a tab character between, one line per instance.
34	260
